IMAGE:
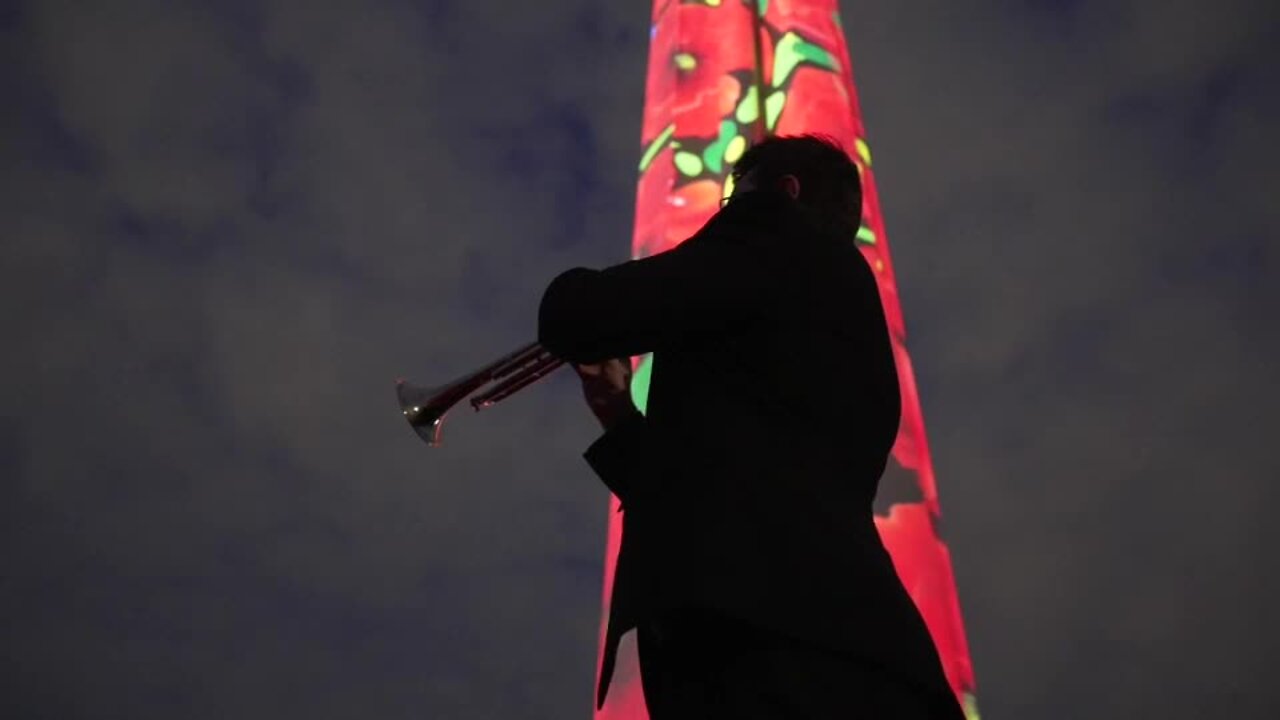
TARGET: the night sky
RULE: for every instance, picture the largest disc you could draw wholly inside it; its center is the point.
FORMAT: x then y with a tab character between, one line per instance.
228	226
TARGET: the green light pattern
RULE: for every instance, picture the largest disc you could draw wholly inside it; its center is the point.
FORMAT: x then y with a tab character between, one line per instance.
864	151
734	150
655	147
747	111
640	383
971	707
688	163
773	108
793	50
714	155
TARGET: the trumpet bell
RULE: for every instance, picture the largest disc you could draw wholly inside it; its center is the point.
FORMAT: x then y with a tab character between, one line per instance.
419	406
425	408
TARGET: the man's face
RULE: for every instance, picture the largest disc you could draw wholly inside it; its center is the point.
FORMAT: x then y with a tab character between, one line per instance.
788	184
851	208
748	183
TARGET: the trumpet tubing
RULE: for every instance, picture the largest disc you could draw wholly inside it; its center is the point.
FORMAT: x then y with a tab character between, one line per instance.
425	408
528	375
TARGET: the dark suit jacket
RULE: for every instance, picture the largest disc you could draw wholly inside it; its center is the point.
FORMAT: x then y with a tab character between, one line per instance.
773	405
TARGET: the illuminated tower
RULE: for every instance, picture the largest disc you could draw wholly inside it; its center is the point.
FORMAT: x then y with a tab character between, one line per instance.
721	74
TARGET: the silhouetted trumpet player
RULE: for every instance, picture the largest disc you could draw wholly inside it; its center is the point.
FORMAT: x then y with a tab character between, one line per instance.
750	565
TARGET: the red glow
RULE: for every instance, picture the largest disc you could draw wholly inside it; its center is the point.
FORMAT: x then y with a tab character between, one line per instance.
701	72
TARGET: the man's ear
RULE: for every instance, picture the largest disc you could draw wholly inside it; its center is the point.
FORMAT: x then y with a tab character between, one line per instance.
790	184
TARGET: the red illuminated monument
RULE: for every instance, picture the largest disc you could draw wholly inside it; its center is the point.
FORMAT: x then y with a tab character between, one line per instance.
721	74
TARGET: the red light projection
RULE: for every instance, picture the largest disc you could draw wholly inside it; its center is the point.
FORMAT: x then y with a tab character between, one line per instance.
722	73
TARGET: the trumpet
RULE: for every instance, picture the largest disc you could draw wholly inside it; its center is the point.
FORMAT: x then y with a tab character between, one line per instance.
425	408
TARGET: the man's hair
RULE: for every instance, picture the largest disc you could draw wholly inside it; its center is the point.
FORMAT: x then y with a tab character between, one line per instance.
830	188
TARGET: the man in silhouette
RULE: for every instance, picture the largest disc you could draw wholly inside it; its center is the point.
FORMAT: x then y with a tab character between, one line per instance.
750	564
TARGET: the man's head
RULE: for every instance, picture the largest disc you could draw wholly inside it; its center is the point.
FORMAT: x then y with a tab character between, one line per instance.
813	170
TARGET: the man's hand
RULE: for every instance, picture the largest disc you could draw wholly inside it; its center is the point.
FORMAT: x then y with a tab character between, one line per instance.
607	388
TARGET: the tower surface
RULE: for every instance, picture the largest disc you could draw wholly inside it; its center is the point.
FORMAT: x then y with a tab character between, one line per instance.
721	75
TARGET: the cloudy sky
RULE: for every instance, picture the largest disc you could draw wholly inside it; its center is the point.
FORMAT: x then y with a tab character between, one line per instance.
228	226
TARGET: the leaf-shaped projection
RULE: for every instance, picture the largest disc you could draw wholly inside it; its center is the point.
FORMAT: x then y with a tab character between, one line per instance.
688	163
793	50
773	107
655	147
749	109
714	156
864	151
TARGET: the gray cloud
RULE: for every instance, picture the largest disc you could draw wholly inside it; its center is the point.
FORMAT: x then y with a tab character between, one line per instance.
230	226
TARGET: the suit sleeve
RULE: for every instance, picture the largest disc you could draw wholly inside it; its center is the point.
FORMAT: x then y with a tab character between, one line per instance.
621	456
703	286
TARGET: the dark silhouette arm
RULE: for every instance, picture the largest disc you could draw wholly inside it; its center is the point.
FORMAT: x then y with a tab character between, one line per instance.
706	285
